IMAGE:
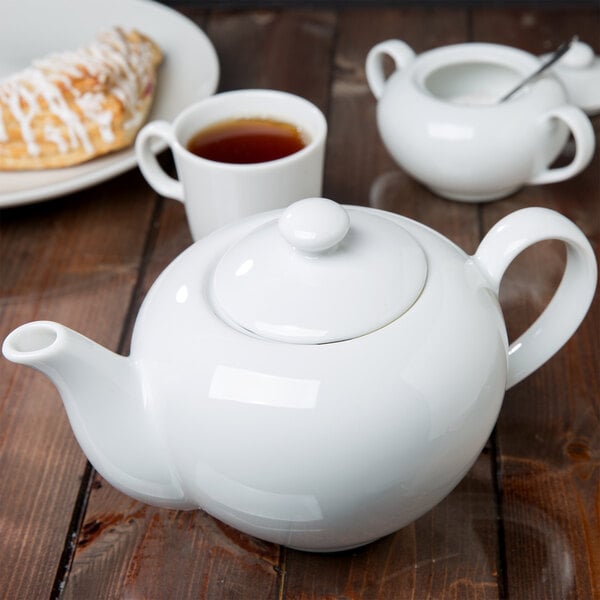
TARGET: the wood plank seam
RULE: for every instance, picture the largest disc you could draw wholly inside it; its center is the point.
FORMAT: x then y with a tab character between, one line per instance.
80	507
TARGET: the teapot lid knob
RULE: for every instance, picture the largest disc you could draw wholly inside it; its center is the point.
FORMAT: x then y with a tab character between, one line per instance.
314	224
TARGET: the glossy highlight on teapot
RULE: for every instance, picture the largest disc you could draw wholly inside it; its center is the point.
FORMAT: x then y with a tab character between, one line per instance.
247	141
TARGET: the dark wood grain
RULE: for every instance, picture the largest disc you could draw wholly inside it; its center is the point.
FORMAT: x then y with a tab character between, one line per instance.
57	264
549	446
525	521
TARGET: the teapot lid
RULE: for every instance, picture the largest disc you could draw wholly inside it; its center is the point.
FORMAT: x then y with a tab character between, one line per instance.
320	273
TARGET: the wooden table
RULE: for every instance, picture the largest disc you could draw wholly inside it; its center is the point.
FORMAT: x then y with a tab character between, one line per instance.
524	523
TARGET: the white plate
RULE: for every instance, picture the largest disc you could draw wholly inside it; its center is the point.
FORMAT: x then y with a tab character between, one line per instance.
32	28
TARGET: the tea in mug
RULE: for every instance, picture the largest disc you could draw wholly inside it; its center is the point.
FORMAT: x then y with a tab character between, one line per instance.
247	140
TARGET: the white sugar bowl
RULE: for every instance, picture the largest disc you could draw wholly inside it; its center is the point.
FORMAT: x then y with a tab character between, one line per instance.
440	116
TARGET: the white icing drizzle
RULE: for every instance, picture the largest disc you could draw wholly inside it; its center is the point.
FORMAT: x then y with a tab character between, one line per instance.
90	105
53	134
121	70
23	114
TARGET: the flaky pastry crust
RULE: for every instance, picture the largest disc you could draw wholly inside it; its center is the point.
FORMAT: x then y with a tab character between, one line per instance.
70	107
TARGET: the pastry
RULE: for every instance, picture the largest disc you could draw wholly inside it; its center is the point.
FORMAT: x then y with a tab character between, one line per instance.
70	107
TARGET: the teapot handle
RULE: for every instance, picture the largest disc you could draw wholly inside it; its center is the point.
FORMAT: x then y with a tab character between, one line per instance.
563	314
585	142
402	55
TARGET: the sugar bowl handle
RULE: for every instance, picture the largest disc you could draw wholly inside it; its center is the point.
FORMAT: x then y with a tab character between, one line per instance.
400	52
585	143
563	314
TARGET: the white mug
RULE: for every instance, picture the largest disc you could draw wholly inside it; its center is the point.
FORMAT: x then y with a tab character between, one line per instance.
216	193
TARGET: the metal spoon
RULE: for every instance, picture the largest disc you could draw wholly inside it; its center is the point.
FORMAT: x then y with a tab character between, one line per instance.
558	53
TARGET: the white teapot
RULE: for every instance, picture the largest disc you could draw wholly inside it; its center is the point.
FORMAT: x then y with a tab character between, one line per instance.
441	118
317	377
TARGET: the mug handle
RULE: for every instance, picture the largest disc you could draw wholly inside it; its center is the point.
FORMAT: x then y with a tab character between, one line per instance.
583	132
400	52
565	311
162	183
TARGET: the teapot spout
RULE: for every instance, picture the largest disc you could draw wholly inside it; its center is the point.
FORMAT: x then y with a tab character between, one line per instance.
103	396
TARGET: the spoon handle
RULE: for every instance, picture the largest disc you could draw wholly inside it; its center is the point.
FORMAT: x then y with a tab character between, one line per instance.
557	55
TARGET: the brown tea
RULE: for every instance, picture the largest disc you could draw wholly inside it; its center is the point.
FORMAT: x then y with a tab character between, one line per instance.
244	141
